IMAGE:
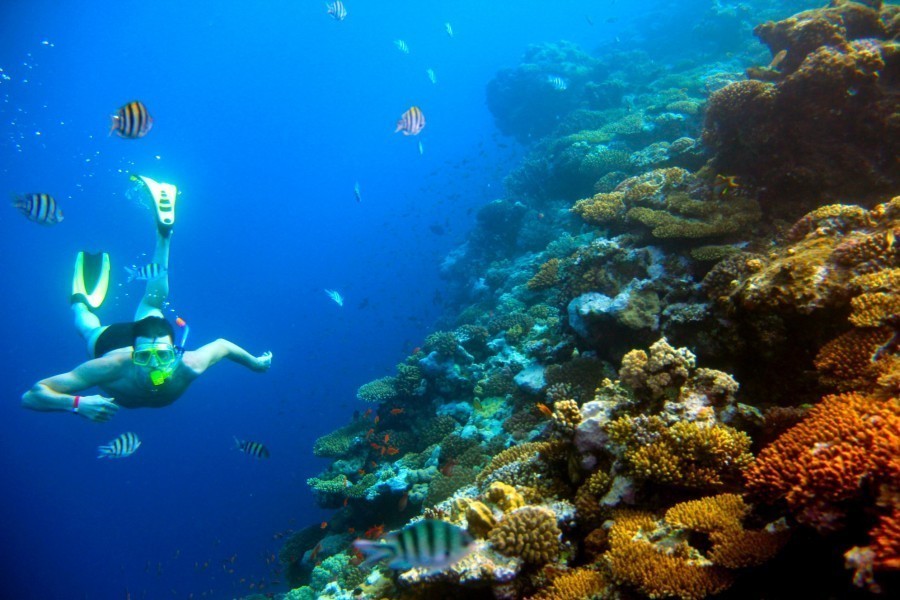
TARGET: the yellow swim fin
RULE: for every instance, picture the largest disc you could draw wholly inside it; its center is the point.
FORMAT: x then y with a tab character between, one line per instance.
163	199
90	282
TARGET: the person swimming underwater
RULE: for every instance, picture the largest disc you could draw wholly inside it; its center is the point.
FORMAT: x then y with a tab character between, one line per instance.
135	364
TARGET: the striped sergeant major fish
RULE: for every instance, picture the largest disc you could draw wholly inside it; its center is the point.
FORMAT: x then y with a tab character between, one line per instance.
428	544
123	446
401	46
132	121
411	122
557	83
448	29
254	449
40	208
431	76
145	273
337	10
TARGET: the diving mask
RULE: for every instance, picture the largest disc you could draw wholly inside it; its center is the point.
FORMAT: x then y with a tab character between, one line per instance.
163	353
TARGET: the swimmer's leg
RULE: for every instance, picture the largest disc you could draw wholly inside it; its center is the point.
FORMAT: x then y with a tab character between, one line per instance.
88	325
158	287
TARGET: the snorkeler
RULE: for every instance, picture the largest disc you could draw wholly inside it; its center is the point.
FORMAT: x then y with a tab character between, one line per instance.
136	364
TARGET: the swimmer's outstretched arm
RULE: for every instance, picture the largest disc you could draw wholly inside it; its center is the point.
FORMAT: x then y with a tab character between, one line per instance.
206	356
58	393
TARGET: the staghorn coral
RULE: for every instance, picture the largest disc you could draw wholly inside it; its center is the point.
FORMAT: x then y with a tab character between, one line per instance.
529	533
546	277
688	454
577	584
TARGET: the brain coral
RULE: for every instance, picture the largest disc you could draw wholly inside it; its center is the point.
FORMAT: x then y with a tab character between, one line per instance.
529	533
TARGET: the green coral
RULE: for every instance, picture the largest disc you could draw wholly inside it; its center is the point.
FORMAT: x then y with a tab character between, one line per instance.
443	342
337	568
338	443
380	390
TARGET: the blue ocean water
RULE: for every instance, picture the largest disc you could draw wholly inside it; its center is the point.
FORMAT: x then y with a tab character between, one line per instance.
266	115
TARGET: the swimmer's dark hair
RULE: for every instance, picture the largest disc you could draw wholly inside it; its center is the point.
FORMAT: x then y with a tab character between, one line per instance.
152	327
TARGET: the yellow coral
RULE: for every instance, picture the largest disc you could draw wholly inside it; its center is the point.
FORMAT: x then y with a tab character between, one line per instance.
504	496
709	514
633	559
529	533
875	309
480	519
601	208
587	498
845	362
578	584
546	277
566	415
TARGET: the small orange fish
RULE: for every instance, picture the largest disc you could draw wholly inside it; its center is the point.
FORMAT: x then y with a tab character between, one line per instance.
346	500
374	445
545	410
387	438
376	419
368	413
360	472
416	350
383	450
402	503
370	433
351	530
396	411
392	450
323	525
373	464
776	60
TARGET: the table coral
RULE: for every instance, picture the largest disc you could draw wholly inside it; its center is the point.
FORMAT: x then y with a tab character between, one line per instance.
529	533
380	390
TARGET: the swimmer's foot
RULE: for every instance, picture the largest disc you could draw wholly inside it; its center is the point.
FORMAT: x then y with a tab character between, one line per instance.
90	281
164	195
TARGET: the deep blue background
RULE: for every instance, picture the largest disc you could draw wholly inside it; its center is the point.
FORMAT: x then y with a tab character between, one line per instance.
266	113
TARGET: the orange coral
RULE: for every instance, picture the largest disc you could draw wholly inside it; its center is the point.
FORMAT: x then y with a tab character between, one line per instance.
845	362
574	585
845	442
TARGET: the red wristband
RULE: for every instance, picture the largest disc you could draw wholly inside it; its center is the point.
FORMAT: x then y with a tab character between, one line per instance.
75	404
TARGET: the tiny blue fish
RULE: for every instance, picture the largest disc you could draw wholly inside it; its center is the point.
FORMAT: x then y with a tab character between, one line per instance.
145	273
336	296
123	446
401	46
448	29
428	544
254	449
431	76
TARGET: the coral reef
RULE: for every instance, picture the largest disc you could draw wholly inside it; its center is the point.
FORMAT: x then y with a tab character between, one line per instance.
529	533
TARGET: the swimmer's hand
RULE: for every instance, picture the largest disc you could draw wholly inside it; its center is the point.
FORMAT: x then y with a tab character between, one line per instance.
262	363
97	408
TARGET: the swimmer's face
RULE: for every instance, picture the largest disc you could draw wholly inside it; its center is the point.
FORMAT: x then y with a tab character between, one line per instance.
154	353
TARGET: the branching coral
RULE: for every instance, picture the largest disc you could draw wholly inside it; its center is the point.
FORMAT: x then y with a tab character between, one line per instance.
661	373
587	498
686	454
566	416
578	584
529	533
846	444
848	362
546	277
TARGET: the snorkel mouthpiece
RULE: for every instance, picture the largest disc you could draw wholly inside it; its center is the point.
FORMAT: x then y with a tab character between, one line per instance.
159	376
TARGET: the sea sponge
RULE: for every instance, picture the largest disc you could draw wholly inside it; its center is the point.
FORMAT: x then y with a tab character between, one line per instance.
480	519
529	533
504	496
577	584
546	277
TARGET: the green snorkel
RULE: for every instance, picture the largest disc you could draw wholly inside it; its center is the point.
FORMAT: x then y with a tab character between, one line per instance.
159	376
